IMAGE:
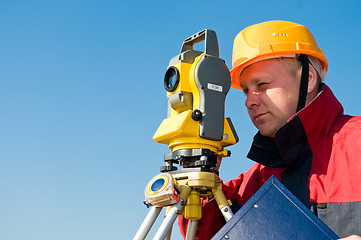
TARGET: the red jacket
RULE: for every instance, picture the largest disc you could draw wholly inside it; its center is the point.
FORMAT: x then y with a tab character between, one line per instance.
316	155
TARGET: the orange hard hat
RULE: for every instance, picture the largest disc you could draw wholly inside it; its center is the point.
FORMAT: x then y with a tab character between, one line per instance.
272	39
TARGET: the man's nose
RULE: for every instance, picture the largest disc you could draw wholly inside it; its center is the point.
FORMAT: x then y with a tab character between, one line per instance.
252	99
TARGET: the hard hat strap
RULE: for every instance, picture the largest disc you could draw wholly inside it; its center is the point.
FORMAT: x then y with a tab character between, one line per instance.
304	82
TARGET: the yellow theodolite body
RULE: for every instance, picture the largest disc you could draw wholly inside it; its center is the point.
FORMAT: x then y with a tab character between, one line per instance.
197	84
195	130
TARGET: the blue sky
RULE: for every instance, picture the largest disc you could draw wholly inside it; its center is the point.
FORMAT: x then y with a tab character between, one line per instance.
81	95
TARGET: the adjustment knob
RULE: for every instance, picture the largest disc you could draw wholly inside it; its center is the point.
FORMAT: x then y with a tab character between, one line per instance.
196	115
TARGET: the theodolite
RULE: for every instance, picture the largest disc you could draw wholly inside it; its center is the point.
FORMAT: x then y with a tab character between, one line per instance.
196	132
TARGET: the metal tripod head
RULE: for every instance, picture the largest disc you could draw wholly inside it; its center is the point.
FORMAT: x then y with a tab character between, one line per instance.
189	158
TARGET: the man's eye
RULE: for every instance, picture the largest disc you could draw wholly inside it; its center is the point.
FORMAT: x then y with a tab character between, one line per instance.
262	85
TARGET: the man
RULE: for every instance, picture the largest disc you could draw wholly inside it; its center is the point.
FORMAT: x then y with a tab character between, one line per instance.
304	138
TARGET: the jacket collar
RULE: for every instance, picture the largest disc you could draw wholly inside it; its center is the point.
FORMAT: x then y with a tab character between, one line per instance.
305	127
319	116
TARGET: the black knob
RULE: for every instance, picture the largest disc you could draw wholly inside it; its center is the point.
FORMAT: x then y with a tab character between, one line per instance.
197	115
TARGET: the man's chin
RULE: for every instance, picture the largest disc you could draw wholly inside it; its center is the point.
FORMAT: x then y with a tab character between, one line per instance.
267	132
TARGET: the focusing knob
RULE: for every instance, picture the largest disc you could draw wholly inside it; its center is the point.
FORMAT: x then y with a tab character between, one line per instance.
196	115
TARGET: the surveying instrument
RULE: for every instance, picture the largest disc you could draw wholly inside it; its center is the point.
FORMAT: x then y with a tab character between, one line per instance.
196	132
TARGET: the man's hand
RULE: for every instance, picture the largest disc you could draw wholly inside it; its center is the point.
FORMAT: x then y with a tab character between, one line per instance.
219	161
352	237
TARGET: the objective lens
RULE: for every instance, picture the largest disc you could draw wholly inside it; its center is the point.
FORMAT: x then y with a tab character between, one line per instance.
171	79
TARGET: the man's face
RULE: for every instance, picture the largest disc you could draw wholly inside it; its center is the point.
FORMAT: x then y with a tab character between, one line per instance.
272	94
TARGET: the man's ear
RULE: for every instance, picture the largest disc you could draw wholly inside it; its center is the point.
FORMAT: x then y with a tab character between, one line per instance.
312	80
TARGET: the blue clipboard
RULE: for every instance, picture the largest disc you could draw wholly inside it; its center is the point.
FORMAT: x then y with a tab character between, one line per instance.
273	212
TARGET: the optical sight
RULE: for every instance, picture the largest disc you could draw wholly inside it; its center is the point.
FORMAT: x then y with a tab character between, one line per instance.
171	79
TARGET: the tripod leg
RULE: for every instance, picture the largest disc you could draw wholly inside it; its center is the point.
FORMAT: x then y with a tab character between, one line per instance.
222	204
147	223
168	221
169	235
192	229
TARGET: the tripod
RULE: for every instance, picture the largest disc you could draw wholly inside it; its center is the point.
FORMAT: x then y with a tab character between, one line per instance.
194	182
